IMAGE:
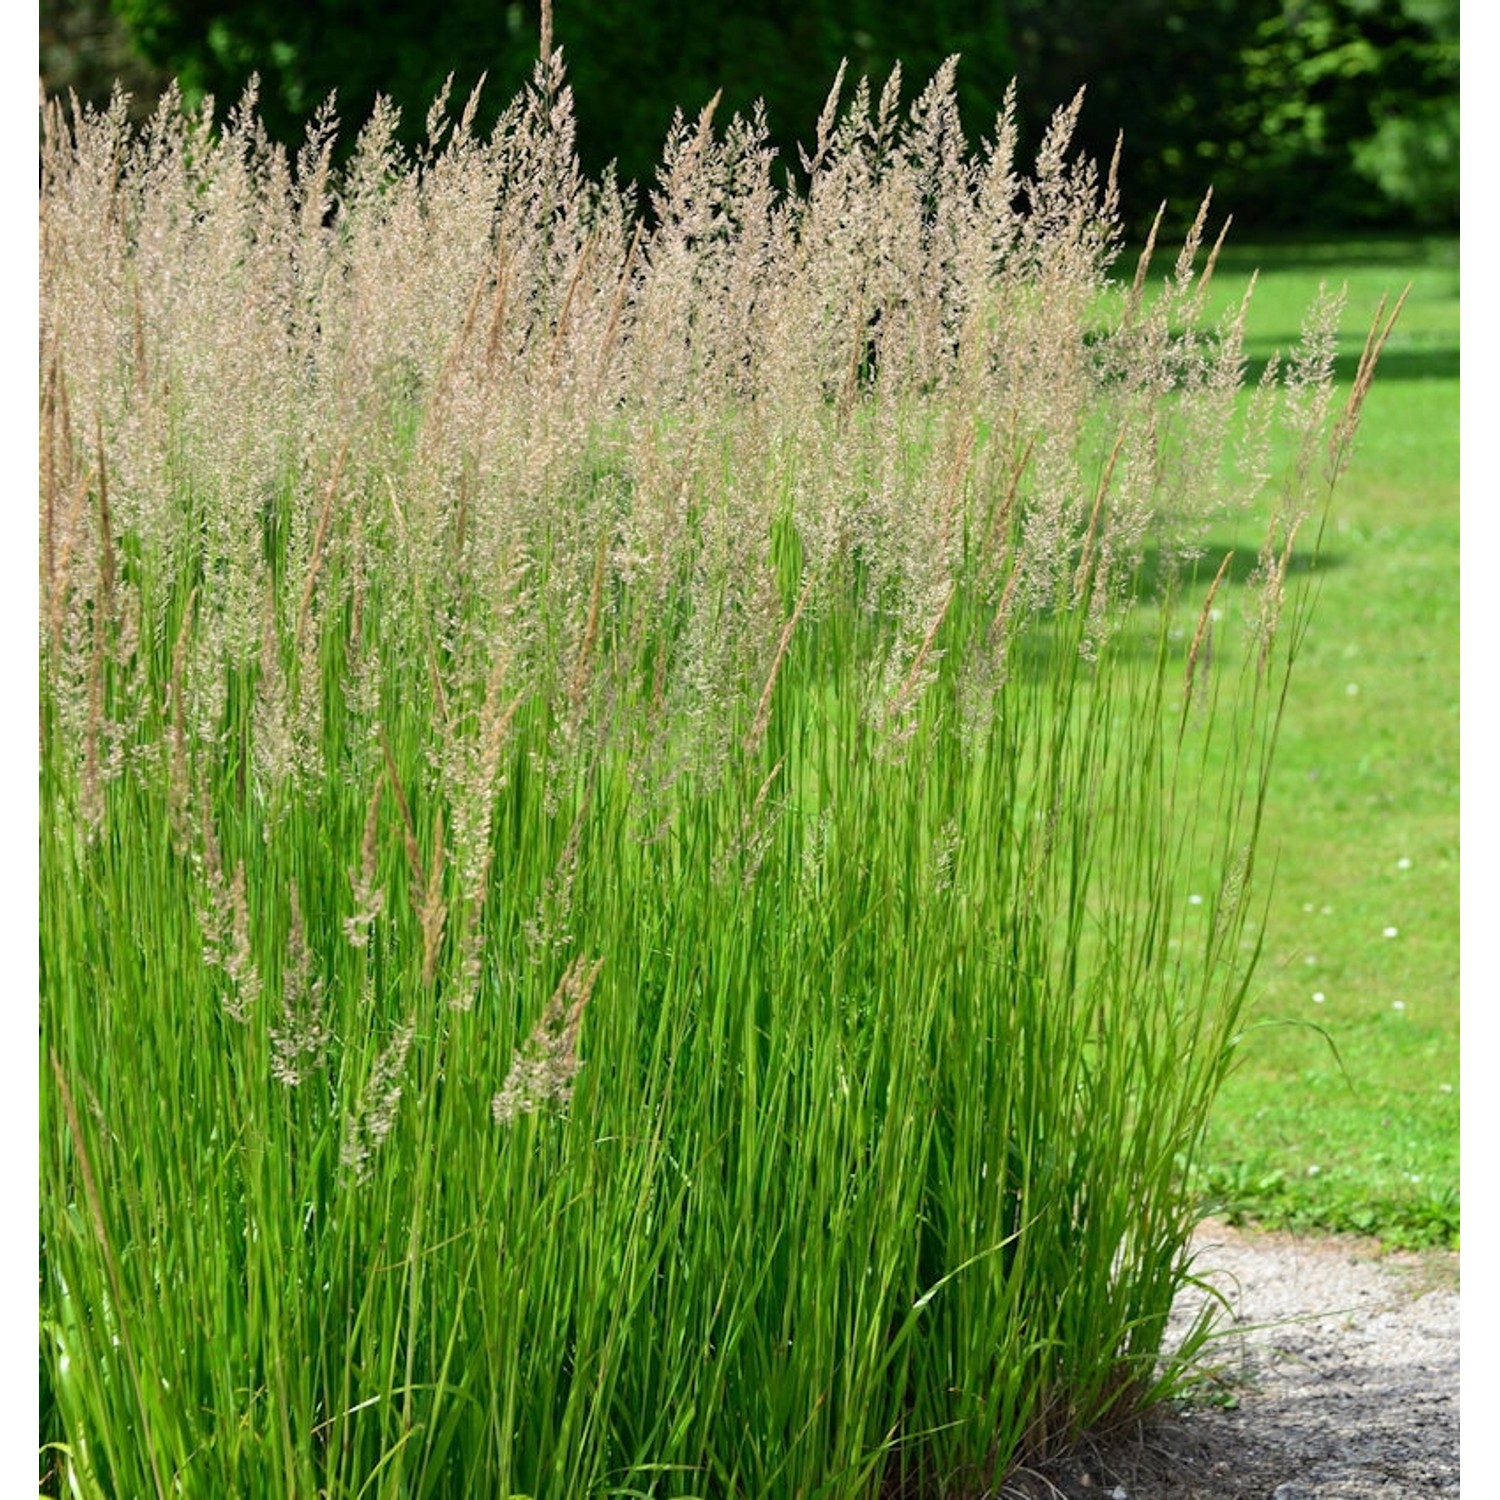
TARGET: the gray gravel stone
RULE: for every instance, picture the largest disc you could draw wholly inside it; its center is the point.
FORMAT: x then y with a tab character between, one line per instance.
1346	1363
1334	1377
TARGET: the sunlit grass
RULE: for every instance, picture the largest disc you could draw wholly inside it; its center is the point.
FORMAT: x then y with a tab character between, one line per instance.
650	862
1354	1125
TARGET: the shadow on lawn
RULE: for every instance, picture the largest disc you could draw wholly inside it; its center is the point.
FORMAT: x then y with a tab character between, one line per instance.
1439	363
1438	252
1034	650
1245	560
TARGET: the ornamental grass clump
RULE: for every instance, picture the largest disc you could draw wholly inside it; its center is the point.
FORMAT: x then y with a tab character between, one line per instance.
619	796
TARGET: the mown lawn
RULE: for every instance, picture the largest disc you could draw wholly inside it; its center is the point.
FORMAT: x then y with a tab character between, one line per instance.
1344	1111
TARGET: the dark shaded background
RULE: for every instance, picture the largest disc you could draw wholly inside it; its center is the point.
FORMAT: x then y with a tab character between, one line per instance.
1333	114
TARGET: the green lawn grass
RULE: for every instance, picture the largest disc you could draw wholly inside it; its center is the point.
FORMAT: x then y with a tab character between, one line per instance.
1343	1112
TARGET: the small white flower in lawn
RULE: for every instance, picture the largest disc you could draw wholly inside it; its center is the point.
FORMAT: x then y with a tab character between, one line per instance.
1413	1176
1319	997
1445	1088
1351	688
1307	906
1310	960
1388	931
1403	863
1327	911
1313	1170
1398	1005
1195	900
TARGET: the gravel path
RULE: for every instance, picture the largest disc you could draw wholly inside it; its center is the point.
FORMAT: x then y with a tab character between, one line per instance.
1336	1380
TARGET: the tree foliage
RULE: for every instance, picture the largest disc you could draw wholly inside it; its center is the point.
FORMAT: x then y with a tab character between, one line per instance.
1294	111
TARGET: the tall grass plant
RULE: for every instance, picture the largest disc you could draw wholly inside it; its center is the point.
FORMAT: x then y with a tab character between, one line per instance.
617	808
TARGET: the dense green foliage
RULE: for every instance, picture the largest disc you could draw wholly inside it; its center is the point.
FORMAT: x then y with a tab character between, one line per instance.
1318	111
1298	112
